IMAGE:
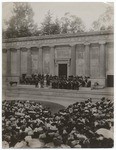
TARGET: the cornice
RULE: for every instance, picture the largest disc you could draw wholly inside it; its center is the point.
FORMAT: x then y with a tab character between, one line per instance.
57	36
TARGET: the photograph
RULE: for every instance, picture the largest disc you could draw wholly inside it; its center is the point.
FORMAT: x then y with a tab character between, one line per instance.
57	75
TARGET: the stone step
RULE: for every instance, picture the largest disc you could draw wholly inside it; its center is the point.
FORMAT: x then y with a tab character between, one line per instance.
59	92
61	96
62	101
65	101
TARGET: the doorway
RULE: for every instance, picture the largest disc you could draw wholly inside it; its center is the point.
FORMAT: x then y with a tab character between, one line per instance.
62	70
110	81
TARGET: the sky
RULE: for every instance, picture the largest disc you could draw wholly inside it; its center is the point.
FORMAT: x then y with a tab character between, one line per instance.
87	11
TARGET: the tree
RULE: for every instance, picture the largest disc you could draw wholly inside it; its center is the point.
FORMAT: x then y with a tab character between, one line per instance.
56	29
21	23
76	25
48	26
105	21
71	24
65	23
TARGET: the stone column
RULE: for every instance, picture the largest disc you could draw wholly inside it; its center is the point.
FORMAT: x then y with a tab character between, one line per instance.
40	61
102	60
73	60
19	62
87	59
52	53
8	62
29	62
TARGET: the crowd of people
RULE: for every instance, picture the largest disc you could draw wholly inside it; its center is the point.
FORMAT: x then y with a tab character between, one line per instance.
27	124
71	82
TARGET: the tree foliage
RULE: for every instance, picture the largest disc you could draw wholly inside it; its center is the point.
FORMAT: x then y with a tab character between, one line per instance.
67	24
56	27
48	26
21	22
71	24
105	21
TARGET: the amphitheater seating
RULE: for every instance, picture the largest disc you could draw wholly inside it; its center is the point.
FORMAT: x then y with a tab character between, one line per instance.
27	124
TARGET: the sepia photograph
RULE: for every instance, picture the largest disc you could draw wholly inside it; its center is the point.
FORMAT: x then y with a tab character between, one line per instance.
57	75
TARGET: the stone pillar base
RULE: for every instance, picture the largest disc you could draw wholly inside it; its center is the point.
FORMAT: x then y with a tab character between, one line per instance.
4	80
13	78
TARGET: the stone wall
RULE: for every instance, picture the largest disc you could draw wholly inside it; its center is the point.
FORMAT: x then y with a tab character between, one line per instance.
86	54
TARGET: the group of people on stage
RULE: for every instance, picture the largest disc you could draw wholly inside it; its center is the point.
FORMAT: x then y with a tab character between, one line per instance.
71	82
27	124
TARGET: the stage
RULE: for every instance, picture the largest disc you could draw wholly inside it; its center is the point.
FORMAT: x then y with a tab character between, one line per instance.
60	96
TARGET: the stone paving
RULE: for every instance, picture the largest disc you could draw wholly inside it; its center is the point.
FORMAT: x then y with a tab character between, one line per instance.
59	96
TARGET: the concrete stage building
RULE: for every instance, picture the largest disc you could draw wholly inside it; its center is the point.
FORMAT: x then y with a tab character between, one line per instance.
84	54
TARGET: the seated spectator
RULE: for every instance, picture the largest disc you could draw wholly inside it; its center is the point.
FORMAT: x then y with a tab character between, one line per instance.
27	124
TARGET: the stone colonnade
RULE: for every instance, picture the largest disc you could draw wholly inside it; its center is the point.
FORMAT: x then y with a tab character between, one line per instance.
52	60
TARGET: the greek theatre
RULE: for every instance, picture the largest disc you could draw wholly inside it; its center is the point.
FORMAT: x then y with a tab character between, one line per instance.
84	54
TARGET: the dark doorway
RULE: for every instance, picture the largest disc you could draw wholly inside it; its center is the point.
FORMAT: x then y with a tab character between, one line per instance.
62	70
110	81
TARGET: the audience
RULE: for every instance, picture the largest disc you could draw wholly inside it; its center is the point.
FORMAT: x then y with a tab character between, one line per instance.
28	124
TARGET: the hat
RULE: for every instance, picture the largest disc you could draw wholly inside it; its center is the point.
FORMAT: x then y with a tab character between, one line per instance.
21	144
31	112
53	128
28	129
37	115
40	129
12	119
64	131
100	138
51	134
42	136
81	136
30	133
64	146
86	111
71	137
35	143
19	114
28	138
27	116
77	146
106	133
73	143
50	145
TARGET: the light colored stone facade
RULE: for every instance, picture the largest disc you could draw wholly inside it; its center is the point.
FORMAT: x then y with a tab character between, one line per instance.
87	54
